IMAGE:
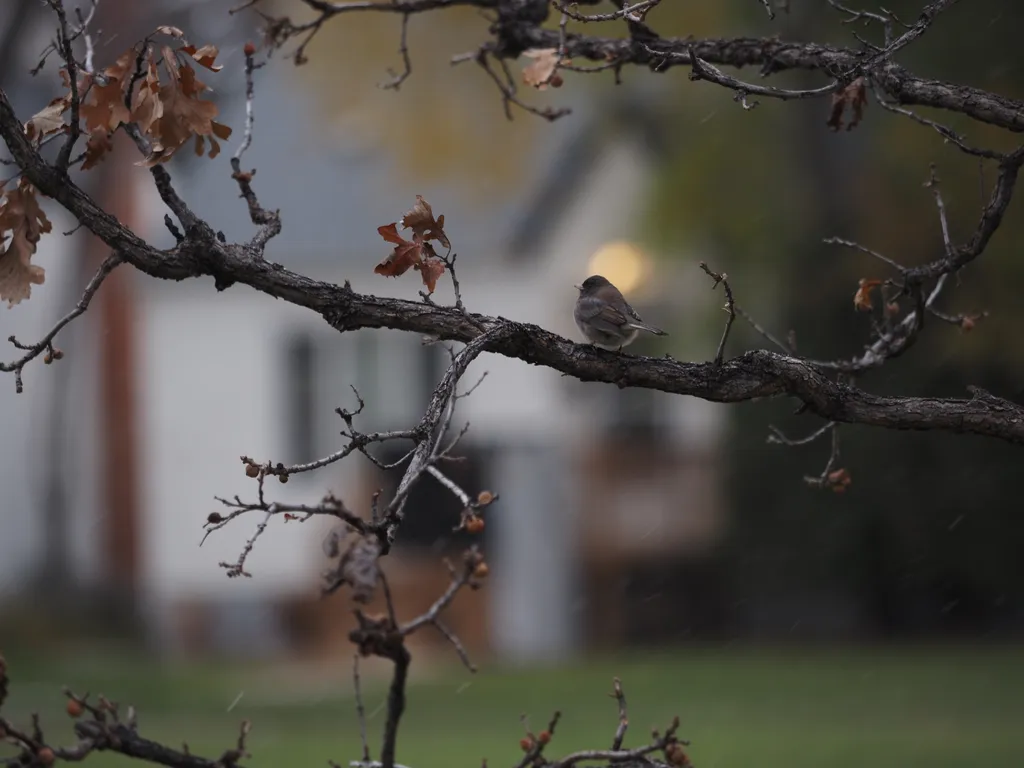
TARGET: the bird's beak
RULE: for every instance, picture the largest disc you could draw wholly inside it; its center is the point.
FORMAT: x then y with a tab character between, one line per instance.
578	288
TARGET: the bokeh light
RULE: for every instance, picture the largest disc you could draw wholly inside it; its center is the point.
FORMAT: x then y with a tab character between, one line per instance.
623	263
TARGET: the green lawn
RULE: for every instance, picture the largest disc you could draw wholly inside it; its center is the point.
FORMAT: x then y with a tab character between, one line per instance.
746	708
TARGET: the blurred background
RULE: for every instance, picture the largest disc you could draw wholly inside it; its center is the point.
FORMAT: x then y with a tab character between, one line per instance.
785	625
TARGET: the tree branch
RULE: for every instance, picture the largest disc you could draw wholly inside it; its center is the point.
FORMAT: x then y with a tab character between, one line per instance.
754	374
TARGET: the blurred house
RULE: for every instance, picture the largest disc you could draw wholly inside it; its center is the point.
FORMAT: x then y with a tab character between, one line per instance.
609	499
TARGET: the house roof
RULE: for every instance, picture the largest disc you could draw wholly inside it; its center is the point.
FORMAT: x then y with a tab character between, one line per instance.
627	115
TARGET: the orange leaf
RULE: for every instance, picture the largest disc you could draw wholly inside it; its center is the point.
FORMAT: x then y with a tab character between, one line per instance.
430	270
420	219
406	252
862	299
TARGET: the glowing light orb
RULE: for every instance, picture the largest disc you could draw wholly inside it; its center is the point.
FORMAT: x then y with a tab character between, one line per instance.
623	263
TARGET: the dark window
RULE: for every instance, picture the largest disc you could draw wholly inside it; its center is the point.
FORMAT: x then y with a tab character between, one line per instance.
300	397
433	362
432	510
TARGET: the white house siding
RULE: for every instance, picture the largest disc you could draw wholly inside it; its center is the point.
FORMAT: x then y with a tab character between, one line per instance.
211	390
24	421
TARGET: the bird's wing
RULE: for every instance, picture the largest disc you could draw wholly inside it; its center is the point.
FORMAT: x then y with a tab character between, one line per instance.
601	312
636	321
633	314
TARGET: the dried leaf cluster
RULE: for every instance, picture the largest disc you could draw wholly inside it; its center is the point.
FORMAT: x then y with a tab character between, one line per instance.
153	86
356	563
22	222
417	253
855	97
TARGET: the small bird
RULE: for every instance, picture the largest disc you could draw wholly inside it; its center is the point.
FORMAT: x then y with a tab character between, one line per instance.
604	316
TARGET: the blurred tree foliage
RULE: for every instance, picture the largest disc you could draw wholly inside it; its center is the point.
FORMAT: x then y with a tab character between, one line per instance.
445	123
928	536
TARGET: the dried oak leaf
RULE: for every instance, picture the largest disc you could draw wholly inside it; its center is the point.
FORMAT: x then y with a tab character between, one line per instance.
104	108
184	115
406	253
166	29
541	71
21	216
420	219
854	96
48	120
430	270
120	68
862	298
146	105
357	566
204	56
97	146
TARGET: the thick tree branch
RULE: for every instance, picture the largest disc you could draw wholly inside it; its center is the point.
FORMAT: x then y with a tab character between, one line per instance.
519	28
755	374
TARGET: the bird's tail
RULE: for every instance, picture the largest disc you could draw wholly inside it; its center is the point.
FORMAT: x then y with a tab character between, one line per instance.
648	328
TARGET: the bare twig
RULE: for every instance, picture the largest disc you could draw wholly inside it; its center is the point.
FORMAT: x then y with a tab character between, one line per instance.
886	18
403	50
702	70
633	12
857	246
46	343
836	479
460	578
620	698
269	222
777	437
68	55
428	446
508	92
360	710
730	307
945	132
